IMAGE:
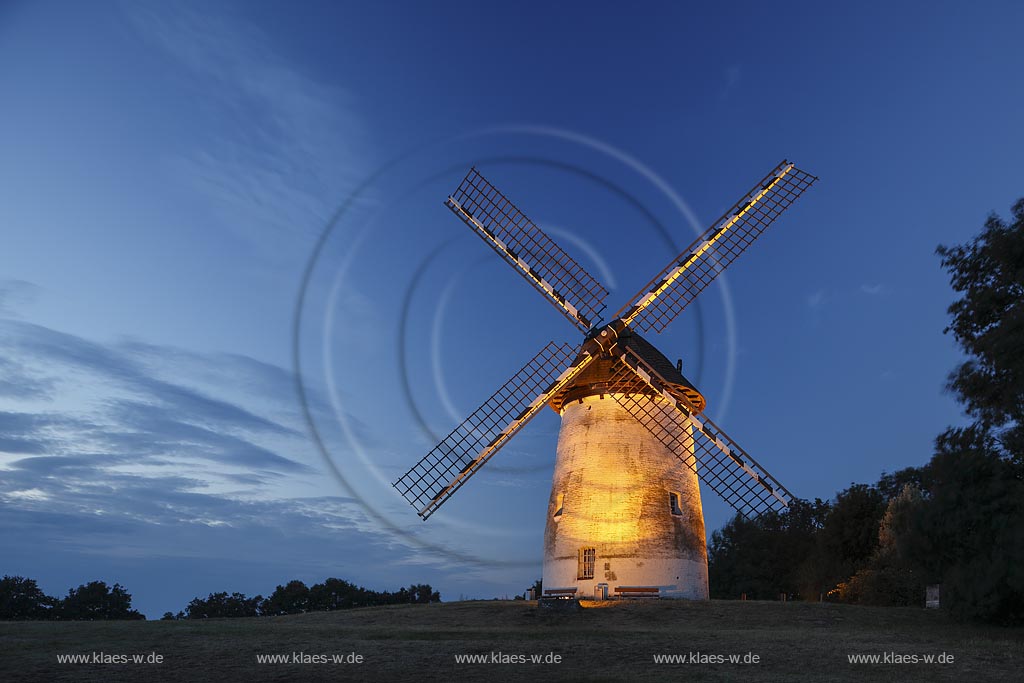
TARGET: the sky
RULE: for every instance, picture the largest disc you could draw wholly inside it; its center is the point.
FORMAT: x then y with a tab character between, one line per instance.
233	307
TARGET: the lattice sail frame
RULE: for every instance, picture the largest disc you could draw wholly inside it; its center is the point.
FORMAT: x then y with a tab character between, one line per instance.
557	276
679	283
442	471
721	464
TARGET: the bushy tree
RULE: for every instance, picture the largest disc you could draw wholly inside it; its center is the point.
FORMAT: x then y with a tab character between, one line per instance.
335	594
891	577
222	605
422	594
988	324
95	600
763	557
295	597
893	485
292	598
970	530
21	598
848	536
969	533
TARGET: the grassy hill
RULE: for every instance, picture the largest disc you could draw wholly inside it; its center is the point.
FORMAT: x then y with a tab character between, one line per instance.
609	642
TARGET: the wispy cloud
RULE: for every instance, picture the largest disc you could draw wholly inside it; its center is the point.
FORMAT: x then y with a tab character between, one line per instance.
14	294
54	348
872	290
281	145
816	299
16	381
108	416
195	455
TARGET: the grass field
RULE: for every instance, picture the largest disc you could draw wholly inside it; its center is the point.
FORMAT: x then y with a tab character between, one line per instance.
610	642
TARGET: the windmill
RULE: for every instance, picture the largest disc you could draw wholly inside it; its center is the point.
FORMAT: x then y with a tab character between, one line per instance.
624	516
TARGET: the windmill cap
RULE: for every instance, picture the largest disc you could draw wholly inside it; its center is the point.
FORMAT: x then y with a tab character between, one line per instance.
595	377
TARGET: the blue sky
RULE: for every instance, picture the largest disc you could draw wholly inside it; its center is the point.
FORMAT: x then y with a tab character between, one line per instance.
167	169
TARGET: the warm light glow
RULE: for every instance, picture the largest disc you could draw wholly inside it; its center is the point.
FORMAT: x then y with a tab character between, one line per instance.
614	479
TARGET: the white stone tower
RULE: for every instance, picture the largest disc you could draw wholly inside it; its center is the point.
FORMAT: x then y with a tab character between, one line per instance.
624	511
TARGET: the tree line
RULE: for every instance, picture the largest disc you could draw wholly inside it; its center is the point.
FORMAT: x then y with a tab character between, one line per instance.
22	599
296	598
957	521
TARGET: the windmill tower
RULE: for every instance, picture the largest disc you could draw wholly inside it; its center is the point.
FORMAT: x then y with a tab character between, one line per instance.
624	516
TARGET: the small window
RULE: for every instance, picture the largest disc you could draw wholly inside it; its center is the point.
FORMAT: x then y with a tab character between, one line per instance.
673	503
587	560
558	505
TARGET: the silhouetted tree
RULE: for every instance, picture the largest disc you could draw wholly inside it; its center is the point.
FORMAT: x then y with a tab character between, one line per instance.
292	598
221	605
969	533
295	597
334	594
95	600
892	485
849	535
763	557
891	577
423	593
21	598
988	324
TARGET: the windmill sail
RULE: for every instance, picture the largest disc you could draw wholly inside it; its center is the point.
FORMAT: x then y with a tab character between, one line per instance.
442	471
669	409
721	464
561	280
679	283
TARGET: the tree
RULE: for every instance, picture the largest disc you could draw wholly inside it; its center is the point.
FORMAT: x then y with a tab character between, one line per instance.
295	597
892	485
222	605
95	600
423	593
969	533
292	598
764	557
21	598
334	594
849	534
891	577
988	323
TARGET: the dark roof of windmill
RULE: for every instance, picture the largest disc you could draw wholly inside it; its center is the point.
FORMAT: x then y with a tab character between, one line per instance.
655	358
594	378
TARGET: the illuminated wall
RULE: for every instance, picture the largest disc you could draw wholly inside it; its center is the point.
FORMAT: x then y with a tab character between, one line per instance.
611	492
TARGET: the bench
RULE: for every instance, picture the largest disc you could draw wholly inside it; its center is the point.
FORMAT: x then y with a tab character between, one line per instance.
560	593
638	591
